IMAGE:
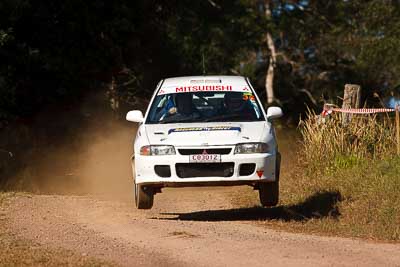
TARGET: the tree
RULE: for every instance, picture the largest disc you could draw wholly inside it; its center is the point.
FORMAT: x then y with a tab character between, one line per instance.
49	51
320	47
269	79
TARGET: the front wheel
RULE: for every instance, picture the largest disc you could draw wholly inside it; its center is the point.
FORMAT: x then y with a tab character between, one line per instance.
269	192
144	196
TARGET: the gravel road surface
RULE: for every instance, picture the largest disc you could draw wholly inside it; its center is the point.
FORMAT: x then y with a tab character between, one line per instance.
180	230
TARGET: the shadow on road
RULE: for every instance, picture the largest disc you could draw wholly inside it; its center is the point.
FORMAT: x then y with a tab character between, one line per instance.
319	205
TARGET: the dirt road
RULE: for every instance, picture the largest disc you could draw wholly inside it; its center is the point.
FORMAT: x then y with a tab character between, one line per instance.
196	227
85	205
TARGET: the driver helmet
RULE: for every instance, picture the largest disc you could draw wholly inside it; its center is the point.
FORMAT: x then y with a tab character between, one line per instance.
184	104
234	101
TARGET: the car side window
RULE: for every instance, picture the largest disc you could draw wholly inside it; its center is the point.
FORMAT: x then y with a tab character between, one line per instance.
162	102
159	104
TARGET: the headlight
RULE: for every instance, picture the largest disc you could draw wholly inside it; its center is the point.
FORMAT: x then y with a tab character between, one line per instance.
157	150
248	148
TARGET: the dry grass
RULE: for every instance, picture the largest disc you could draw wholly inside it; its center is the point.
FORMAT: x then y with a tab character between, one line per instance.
344	181
327	141
359	161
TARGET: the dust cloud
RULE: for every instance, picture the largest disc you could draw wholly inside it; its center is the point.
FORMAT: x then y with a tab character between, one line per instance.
94	157
104	165
97	163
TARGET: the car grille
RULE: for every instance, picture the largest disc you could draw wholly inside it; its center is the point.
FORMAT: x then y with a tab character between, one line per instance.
220	151
191	170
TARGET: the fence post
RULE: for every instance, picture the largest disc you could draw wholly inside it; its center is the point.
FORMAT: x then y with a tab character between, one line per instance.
351	99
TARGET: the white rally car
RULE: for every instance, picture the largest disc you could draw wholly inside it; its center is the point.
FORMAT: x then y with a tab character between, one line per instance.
205	131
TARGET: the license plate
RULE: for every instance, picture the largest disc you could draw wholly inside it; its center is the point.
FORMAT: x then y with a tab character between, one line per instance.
205	158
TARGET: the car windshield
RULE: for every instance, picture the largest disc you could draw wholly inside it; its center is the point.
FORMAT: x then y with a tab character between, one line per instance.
204	107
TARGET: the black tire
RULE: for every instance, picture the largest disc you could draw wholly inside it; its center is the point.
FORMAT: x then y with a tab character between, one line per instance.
144	197
269	192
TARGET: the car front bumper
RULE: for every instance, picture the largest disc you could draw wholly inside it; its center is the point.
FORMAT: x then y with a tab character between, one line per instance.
183	173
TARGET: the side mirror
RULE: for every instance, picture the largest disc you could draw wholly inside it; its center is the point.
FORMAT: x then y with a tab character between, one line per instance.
135	116
274	113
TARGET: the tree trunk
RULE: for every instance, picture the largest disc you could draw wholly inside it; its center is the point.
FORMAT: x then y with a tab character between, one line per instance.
269	78
351	99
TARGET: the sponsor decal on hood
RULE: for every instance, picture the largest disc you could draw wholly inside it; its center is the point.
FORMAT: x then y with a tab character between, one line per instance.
212	134
204	129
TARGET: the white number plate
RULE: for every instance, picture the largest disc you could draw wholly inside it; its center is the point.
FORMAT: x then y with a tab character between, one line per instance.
205	158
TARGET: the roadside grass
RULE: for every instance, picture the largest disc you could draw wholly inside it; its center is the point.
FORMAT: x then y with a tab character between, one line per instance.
344	181
16	251
327	143
359	161
368	203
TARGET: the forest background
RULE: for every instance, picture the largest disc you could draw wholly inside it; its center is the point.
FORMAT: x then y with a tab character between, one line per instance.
56	55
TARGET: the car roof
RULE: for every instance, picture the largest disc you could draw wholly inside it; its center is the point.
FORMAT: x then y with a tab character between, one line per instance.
211	79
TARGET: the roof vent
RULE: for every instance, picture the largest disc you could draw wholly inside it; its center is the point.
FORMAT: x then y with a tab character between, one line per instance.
206	81
213	81
196	81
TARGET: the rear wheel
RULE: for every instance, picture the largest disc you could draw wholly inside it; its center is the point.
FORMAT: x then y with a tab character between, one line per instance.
269	192
144	196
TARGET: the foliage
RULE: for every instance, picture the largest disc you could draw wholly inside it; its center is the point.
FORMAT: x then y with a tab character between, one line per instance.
325	44
50	52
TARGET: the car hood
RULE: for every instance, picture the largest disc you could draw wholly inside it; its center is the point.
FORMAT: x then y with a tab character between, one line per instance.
210	134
